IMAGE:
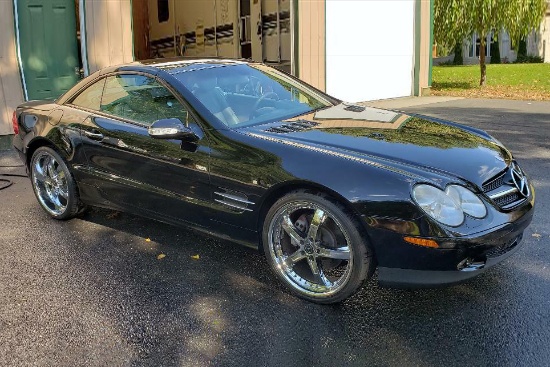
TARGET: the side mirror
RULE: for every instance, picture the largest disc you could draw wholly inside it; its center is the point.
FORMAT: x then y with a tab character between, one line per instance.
171	129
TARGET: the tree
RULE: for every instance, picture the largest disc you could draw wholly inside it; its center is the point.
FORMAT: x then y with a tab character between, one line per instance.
455	20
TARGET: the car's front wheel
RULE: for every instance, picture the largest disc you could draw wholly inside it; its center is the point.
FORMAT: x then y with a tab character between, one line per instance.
316	248
53	184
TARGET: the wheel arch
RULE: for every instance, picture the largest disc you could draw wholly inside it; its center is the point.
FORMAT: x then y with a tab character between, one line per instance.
280	190
37	143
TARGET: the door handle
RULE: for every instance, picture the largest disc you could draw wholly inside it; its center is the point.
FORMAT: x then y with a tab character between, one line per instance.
94	135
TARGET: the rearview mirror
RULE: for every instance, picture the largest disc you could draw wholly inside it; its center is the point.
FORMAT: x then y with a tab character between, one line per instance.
171	129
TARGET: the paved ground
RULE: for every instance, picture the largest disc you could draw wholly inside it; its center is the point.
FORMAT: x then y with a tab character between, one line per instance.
92	291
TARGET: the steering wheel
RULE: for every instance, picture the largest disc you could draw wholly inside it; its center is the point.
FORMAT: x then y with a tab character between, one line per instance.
261	100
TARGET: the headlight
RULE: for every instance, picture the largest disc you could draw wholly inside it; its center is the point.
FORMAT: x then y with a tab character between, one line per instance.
448	207
469	202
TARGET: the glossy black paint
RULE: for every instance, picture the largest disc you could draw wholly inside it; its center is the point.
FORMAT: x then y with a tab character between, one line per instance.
367	159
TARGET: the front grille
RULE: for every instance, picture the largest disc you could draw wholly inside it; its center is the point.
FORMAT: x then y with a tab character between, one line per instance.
502	190
507	200
494	183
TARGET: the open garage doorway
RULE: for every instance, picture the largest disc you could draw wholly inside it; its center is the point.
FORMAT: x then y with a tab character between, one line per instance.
252	29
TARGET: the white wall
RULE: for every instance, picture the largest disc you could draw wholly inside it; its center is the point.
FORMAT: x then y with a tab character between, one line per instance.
369	49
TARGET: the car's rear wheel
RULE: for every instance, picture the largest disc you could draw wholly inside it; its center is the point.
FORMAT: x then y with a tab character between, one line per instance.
53	184
316	248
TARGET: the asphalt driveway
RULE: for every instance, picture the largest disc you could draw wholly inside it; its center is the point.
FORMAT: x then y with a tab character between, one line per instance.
94	290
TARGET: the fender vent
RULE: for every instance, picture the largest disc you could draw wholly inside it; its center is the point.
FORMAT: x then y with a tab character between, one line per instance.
291	127
235	200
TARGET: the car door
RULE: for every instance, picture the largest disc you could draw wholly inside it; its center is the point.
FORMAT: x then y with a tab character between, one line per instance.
161	178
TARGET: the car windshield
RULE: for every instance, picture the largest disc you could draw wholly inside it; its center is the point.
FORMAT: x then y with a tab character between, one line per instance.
241	95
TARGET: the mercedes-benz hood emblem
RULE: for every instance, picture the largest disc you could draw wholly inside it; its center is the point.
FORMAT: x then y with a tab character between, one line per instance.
520	181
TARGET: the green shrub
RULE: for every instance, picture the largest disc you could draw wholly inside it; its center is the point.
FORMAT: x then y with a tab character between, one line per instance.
526	59
522	48
458	59
447	63
495	53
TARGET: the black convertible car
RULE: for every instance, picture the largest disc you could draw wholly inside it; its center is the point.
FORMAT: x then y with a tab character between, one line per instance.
329	191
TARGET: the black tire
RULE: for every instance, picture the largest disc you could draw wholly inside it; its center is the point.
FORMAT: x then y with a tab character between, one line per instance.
55	188
287	242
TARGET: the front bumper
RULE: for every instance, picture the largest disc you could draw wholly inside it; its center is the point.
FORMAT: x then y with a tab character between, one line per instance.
413	278
403	265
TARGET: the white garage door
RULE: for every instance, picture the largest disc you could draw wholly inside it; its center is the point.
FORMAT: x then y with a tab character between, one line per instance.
369	49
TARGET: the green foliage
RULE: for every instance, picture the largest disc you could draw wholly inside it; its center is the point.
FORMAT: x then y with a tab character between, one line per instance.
458	59
443	50
522	48
523	58
447	63
455	20
495	53
526	59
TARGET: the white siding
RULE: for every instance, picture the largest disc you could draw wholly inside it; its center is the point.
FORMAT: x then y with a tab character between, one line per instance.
369	49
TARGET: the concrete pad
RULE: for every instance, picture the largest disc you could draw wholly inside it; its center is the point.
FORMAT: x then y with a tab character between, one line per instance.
404	102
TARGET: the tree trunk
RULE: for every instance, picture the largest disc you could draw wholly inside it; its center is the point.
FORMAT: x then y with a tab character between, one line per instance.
482	65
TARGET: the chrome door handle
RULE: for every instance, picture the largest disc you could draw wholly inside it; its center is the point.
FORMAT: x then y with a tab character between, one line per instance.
94	135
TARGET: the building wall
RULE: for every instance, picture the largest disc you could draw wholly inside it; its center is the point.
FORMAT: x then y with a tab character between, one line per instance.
538	43
108	33
546	37
311	42
11	92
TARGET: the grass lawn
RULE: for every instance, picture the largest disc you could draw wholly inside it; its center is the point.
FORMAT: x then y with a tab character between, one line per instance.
509	81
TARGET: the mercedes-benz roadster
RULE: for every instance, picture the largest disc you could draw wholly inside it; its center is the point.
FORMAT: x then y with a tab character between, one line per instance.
328	191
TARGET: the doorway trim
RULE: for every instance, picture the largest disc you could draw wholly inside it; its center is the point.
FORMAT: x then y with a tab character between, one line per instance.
19	61
83	36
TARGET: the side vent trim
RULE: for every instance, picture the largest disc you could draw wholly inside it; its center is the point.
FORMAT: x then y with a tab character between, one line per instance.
234	200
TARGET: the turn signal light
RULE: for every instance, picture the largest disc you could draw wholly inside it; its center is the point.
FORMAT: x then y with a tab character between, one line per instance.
14	123
422	242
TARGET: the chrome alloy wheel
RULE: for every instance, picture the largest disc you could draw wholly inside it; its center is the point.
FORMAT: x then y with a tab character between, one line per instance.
310	248
50	183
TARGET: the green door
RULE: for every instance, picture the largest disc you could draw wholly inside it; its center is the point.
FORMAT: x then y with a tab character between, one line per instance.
48	46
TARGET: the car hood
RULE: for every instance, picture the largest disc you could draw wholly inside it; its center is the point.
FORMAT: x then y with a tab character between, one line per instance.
395	138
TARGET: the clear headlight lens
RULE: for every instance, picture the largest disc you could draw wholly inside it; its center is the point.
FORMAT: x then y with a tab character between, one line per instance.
438	205
469	202
448	207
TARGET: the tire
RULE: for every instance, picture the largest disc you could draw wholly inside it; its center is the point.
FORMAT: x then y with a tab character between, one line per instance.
303	236
53	184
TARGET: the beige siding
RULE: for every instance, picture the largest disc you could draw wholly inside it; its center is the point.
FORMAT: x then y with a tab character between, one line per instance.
108	33
11	93
311	42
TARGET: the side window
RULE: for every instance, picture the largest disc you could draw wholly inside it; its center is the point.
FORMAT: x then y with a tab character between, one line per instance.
140	98
91	97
